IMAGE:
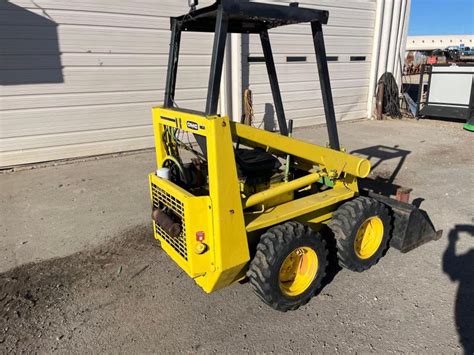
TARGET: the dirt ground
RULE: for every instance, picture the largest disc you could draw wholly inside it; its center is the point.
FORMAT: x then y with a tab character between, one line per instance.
82	273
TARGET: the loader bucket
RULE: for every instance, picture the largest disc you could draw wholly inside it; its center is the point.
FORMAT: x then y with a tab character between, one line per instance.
412	226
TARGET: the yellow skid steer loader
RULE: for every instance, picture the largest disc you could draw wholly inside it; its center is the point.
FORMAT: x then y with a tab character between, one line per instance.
256	204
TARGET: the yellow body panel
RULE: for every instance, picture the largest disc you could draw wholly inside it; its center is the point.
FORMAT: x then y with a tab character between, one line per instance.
226	256
198	212
224	216
298	208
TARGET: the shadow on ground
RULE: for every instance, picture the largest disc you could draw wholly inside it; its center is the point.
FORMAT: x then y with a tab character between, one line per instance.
460	268
36	299
383	183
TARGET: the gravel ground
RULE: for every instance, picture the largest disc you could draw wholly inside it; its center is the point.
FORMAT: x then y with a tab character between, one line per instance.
81	272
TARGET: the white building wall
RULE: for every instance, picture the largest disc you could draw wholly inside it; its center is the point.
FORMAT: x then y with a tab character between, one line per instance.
79	77
389	47
349	33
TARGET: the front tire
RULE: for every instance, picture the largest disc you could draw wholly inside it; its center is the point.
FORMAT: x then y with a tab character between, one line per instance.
362	230
289	266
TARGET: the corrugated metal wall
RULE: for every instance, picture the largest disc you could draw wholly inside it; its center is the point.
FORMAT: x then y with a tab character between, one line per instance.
78	77
349	34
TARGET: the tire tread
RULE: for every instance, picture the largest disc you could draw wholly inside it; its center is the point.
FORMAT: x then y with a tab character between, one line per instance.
344	223
273	243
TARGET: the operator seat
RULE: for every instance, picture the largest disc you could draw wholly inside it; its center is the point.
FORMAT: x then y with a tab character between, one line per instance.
256	162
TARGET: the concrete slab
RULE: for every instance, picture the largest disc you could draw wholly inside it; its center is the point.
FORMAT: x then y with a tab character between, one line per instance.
141	302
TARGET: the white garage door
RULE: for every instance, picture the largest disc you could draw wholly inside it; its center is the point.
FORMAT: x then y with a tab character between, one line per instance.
78	77
348	37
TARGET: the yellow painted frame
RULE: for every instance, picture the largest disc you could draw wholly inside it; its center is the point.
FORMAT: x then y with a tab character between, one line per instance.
222	214
227	247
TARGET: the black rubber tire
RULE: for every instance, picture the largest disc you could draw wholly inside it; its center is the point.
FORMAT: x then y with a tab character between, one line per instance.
274	246
346	222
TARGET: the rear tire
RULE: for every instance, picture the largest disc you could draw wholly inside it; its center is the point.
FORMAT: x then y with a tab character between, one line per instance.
289	265
362	230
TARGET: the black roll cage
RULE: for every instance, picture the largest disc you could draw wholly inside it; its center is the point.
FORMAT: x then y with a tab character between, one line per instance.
237	16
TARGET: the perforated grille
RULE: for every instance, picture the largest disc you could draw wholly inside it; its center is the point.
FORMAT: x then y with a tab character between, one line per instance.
163	199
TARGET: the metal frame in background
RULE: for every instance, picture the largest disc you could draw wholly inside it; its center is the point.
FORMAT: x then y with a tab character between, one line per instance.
275	87
173	58
235	16
325	82
442	110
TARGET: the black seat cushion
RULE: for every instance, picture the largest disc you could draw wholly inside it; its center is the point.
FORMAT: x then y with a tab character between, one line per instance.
256	162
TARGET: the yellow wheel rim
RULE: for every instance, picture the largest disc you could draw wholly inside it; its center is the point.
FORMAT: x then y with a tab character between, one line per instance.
369	237
298	271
